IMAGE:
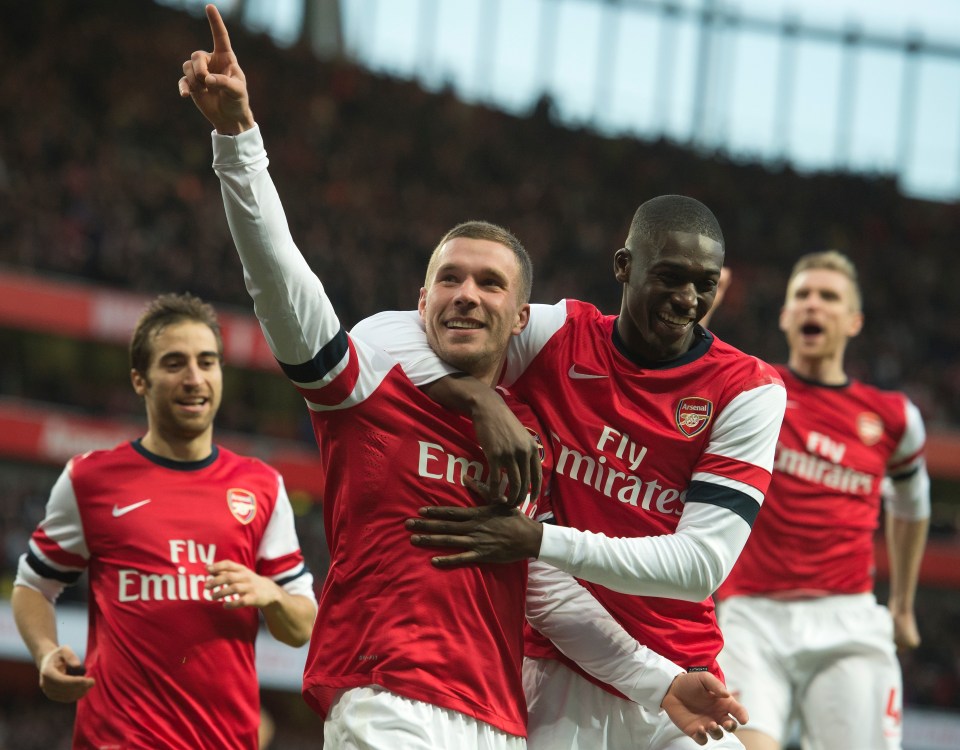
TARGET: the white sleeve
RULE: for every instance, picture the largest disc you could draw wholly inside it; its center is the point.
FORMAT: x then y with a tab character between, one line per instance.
294	312
402	336
689	564
400	333
545	321
62	526
279	540
566	613
906	490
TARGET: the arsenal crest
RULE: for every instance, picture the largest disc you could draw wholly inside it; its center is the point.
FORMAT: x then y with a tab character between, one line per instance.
693	415
869	428
243	504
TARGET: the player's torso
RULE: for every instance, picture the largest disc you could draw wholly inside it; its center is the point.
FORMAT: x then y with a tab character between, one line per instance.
151	530
387	616
815	531
626	442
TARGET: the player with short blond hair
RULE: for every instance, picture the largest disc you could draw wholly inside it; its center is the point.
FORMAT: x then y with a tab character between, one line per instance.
804	633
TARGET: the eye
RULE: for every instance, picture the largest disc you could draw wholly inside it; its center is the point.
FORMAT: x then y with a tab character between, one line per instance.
705	287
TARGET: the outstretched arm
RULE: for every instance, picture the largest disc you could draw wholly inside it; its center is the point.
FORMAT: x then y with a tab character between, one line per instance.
565	612
61	671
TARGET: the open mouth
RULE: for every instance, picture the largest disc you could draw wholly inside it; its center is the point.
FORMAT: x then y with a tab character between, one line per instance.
463	325
675	321
811	329
193	404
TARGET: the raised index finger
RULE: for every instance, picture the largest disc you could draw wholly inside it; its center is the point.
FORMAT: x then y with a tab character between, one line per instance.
221	39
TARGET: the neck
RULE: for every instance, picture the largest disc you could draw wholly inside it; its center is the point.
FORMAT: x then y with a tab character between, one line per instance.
826	370
179	449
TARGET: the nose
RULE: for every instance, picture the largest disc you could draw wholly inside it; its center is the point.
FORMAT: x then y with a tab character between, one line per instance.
467	293
685	296
192	374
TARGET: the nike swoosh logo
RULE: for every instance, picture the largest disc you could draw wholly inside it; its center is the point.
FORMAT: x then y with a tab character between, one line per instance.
118	511
572	372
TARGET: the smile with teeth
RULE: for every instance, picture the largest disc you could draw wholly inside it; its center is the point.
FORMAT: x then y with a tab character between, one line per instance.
193	403
464	324
675	320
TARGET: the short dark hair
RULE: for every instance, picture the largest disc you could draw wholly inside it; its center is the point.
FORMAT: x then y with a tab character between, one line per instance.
165	310
484	230
672	213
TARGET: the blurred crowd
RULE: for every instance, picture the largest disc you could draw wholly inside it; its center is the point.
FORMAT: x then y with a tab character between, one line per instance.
105	175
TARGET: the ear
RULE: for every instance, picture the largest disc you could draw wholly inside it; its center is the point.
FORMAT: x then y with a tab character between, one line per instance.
139	382
783	319
422	302
855	324
523	317
621	265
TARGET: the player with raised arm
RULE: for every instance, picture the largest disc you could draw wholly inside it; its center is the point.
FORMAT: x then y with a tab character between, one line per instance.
185	543
804	633
663	438
404	654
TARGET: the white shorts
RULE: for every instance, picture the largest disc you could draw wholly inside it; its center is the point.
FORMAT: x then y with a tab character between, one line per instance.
371	718
830	661
567	712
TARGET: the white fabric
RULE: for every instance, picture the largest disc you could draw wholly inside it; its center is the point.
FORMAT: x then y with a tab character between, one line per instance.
566	712
689	564
371	718
909	498
569	615
829	660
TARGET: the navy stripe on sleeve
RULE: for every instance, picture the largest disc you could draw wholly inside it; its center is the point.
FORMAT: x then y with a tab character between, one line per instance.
325	360
905	475
714	494
45	571
286	579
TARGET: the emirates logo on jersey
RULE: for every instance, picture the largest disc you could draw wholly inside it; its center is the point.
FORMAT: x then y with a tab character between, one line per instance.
869	428
693	415
242	504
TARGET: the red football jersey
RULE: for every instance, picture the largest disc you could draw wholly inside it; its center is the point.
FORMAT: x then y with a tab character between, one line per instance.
815	534
633	441
173	668
387	616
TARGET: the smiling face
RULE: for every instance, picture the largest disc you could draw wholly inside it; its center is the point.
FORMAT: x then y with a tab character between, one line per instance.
472	305
181	388
668	287
820	314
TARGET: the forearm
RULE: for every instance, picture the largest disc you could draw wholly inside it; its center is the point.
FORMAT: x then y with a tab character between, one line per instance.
906	540
289	299
465	395
290	618
567	614
36	620
689	564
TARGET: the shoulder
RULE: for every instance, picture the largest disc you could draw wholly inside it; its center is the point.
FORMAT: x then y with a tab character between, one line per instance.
244	463
734	365
97	460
